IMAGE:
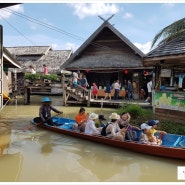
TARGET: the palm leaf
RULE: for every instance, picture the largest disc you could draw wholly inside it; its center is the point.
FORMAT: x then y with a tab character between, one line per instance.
170	32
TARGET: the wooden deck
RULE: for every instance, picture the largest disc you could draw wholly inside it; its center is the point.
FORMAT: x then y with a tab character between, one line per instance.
117	103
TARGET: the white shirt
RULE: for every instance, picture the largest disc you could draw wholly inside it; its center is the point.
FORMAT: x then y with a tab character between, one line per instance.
90	128
75	77
149	86
32	71
113	129
117	86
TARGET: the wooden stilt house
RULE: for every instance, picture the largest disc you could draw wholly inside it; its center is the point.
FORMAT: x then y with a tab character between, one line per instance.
107	55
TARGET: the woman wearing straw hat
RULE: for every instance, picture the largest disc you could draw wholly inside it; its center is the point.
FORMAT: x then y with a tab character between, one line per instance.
45	111
113	130
90	127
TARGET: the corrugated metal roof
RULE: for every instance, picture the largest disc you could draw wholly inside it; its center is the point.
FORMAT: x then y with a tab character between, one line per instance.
9	61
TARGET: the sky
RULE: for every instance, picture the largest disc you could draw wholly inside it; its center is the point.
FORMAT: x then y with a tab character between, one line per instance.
64	25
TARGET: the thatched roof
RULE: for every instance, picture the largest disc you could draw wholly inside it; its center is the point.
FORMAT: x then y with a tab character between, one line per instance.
172	51
39	55
29	50
105	48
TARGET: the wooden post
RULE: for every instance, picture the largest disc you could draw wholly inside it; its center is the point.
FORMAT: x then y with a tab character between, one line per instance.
89	99
101	105
63	90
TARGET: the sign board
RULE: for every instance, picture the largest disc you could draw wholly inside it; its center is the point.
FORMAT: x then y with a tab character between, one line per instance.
1	67
170	100
166	72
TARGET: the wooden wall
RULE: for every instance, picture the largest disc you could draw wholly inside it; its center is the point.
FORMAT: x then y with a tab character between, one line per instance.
174	115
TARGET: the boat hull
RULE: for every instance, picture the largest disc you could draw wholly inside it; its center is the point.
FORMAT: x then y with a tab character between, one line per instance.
163	151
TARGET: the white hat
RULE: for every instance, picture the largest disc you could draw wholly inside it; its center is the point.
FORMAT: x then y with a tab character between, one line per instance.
145	126
114	116
93	116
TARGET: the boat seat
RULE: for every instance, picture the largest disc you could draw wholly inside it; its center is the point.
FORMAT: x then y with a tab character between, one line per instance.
171	140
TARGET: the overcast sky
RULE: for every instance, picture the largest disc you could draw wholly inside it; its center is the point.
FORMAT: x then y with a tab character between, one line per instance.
69	25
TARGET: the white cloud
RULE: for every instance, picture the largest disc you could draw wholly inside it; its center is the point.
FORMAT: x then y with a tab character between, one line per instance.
168	5
7	12
128	15
145	48
83	10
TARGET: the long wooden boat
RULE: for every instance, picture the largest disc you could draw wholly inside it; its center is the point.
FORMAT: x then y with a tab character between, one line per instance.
173	146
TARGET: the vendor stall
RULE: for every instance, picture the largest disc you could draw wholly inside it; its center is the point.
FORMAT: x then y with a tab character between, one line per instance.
168	61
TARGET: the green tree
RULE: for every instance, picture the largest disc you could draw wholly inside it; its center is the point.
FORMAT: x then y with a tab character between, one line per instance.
170	32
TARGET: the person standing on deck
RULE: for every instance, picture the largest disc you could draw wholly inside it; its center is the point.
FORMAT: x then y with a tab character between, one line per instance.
45	69
95	91
130	90
117	87
107	91
32	70
149	88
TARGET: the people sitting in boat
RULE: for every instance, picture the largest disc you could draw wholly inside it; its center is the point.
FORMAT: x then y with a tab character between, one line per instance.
90	127
45	111
143	136
150	133
123	122
101	121
81	119
113	130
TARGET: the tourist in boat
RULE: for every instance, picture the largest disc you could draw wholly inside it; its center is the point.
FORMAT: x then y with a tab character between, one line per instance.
45	111
81	119
90	127
143	136
101	121
150	134
113	130
124	122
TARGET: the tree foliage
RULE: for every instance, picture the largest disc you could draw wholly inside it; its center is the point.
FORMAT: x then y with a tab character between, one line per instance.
170	32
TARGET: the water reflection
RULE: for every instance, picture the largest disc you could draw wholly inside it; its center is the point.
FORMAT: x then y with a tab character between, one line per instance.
38	155
9	162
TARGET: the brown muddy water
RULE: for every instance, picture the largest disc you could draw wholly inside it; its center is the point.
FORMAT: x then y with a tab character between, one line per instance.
39	155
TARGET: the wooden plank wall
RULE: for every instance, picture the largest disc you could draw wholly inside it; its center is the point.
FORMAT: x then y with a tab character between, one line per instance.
177	116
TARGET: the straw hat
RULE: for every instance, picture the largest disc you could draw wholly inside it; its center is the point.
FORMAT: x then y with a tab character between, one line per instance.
114	116
93	116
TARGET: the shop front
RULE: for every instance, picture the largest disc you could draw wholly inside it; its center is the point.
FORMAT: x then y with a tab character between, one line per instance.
169	80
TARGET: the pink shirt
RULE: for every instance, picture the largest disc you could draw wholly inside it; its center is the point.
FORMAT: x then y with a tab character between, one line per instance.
45	70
